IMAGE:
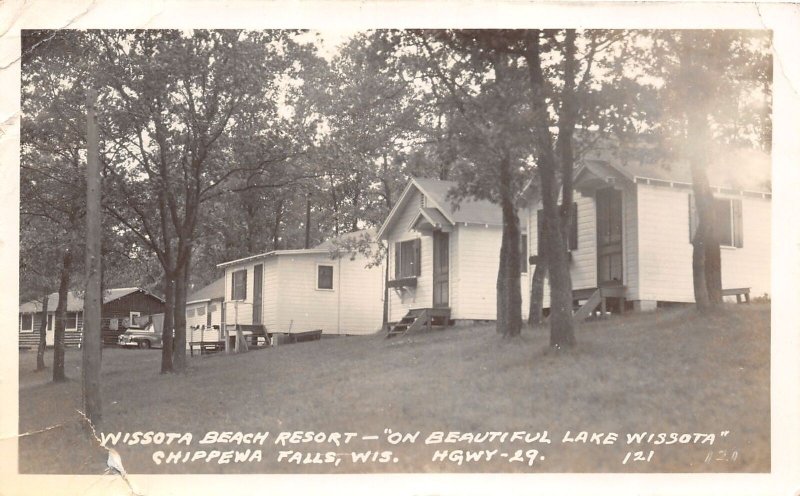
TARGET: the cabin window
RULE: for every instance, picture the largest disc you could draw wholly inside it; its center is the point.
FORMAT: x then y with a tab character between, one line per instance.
212	308
190	312
239	285
573	229
113	324
523	254
407	259
26	322
72	320
324	276
728	214
201	311
135	317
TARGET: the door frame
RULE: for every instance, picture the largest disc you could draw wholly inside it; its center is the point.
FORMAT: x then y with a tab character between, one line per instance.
441	240
599	255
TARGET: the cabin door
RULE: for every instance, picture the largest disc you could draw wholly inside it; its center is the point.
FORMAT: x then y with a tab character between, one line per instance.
258	279
609	237
441	269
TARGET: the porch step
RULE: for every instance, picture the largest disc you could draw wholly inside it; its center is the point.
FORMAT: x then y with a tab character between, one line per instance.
419	318
597	298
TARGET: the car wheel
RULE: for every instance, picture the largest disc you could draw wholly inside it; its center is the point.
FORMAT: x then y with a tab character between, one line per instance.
144	344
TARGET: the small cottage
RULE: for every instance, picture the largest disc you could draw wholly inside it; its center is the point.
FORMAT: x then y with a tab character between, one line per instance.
443	257
634	223
325	288
121	307
204	306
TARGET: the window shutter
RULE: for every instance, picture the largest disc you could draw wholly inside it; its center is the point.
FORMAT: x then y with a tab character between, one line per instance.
539	230
738	240
397	260
692	218
418	257
573	230
244	284
233	285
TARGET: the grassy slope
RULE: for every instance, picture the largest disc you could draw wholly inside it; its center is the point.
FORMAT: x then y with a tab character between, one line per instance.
663	372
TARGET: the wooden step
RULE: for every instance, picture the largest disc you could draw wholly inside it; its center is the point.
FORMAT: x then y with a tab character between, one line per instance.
419	318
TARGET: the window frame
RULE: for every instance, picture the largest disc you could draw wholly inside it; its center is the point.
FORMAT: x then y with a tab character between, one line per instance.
67	321
404	269
22	320
735	221
235	296
318	274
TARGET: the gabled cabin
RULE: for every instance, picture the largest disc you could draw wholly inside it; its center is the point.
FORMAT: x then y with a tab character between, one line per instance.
444	258
634	225
121	307
294	291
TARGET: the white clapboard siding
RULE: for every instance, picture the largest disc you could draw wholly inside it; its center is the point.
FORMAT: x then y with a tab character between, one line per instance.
630	239
665	250
583	267
302	307
749	266
361	304
239	311
402	300
479	258
271	291
196	313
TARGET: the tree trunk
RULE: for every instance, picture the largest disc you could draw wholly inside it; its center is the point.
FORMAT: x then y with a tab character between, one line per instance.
535	310
509	295
61	317
562	334
42	336
706	260
169	311
179	345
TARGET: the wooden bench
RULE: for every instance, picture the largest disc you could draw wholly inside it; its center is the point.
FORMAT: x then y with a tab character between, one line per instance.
738	293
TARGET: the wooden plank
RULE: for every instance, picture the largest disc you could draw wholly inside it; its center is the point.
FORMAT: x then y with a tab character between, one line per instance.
588	307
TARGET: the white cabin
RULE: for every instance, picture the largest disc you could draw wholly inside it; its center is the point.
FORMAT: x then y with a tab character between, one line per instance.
445	257
294	291
635	222
204	313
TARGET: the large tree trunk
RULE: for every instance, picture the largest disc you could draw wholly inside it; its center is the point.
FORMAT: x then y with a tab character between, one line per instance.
706	259
169	312
42	336
509	295
562	334
179	350
61	317
535	309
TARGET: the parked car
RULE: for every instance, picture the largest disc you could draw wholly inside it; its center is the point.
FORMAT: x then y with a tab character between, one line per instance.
140	337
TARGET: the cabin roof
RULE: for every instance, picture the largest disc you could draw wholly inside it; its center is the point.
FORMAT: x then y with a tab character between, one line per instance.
325	247
213	291
75	302
468	210
729	167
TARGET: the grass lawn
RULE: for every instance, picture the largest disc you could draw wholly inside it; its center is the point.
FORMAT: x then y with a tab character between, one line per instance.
664	372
